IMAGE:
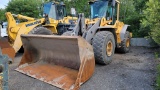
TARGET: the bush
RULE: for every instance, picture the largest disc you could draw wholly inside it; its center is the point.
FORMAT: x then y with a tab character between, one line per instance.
158	78
151	19
25	7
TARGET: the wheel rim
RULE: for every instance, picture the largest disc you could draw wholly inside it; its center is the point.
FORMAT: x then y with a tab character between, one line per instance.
127	42
109	48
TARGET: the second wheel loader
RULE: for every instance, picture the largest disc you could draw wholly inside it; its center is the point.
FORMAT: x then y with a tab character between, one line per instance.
67	61
55	21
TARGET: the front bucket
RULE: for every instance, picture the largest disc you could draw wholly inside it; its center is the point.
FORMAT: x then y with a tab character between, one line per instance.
6	48
63	61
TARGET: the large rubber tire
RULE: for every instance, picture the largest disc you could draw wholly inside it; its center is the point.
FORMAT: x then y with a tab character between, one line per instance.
100	46
125	44
41	31
67	33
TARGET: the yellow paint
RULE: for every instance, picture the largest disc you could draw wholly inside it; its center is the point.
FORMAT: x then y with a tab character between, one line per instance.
106	23
109	48
91	21
15	30
66	19
19	16
131	34
118	27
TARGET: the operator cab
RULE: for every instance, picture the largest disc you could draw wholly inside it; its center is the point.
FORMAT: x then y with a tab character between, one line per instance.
54	10
102	8
57	11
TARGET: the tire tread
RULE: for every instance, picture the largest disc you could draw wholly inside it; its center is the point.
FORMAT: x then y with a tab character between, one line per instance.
97	43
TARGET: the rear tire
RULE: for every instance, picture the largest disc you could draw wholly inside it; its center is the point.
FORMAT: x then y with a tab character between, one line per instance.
104	47
37	30
67	33
125	44
41	31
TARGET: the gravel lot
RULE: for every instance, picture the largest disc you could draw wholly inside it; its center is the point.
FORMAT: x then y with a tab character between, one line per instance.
135	70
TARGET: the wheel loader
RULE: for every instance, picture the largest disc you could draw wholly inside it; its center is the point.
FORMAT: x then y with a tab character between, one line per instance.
55	21
68	61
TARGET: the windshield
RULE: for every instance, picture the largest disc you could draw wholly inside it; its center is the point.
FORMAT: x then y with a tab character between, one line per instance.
55	11
98	9
60	12
49	9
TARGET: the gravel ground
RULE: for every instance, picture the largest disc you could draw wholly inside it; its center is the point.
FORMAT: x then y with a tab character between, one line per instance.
135	70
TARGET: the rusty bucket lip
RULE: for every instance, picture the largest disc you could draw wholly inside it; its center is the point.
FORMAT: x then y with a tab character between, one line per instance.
51	36
51	81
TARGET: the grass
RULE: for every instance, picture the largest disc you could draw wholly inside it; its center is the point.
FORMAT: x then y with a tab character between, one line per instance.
158	78
157	56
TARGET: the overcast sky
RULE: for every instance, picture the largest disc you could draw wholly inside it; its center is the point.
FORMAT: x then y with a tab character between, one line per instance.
3	3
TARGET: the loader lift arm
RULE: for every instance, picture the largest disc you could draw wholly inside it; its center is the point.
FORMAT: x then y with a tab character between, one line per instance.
15	30
12	21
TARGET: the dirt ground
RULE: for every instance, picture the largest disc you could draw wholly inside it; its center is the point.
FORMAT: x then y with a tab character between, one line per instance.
135	70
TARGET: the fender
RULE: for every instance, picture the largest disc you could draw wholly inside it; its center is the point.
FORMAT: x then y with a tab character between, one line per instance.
123	31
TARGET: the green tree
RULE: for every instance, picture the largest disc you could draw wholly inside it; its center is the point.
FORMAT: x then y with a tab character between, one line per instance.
131	13
25	7
126	9
81	6
2	15
151	19
140	5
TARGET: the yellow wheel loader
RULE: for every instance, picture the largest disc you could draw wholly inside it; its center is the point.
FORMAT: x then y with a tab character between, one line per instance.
67	61
104	31
55	21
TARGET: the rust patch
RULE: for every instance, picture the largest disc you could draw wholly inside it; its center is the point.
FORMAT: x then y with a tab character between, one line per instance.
52	74
6	48
65	62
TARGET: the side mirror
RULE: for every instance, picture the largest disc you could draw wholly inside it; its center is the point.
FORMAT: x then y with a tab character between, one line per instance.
73	11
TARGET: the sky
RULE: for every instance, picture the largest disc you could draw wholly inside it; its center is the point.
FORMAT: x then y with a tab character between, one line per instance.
3	3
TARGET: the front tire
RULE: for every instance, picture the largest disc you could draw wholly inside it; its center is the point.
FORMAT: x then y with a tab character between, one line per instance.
104	47
41	31
125	44
37	30
67	33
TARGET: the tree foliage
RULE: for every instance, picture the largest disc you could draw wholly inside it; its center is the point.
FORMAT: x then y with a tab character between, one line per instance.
25	7
151	19
140	6
131	13
128	14
2	15
81	6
